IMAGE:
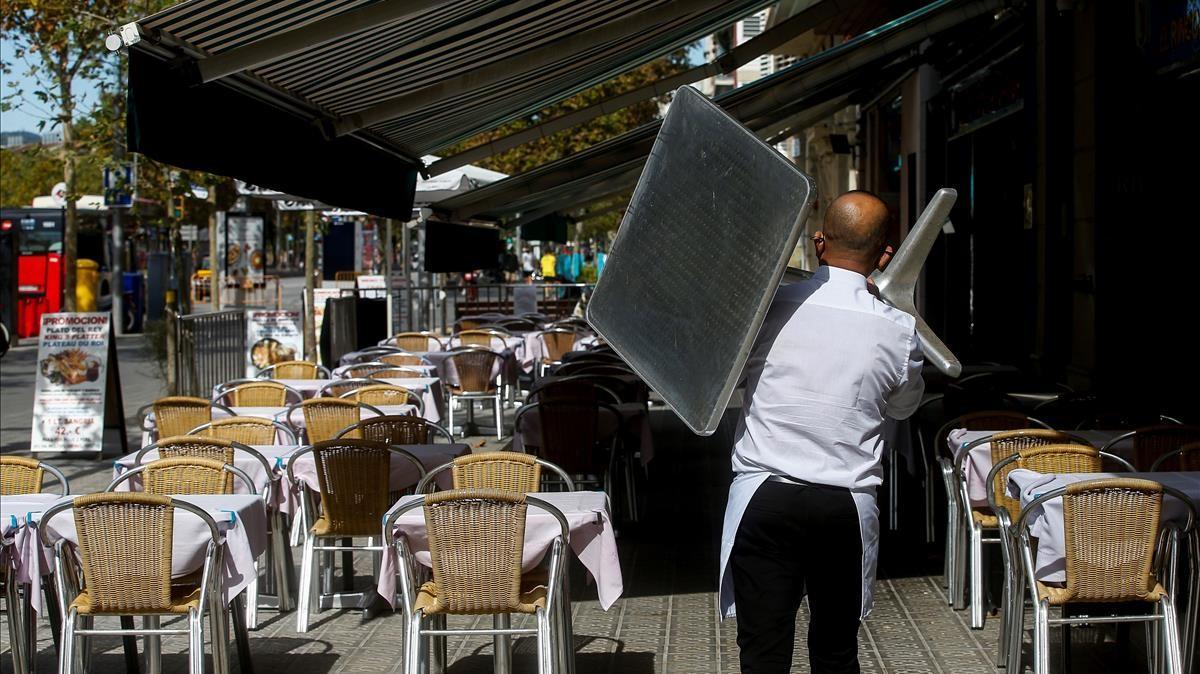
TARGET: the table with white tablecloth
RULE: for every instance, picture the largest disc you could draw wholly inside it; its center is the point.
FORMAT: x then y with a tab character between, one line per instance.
978	462
428	387
592	540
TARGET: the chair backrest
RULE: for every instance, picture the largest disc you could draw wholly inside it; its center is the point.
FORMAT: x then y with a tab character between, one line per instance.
1186	458
475	368
187	475
1060	458
339	388
196	446
402	359
176	415
324	417
417	341
517	325
246	430
506	471
1151	442
258	394
985	420
1008	443
361	370
476	540
580	387
23	475
477	337
396	429
396	373
353	475
569	433
293	369
1111	528
125	542
386	394
556	343
572	323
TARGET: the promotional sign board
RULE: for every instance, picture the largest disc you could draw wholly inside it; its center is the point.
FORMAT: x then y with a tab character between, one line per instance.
241	239
319	297
374	287
272	337
76	376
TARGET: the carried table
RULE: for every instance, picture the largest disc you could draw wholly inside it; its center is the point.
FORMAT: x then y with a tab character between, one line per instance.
592	540
978	462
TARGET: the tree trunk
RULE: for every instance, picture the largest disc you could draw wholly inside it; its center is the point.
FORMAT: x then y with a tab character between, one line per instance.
70	219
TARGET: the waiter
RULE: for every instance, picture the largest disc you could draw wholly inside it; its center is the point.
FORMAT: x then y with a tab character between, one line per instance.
830	363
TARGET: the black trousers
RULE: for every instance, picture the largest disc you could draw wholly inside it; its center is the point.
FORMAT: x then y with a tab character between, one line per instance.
792	538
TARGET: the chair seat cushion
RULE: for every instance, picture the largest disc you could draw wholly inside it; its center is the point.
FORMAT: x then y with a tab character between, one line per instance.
532	598
985	518
1057	596
183	598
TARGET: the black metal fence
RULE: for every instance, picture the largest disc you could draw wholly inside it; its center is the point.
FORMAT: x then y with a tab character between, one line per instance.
209	350
438	307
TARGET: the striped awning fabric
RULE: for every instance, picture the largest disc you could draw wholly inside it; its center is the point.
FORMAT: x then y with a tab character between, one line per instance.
613	166
423	74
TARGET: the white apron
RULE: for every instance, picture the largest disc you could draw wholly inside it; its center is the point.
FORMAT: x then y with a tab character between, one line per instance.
742	490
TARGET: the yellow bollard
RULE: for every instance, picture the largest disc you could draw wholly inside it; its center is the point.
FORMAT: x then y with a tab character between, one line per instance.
87	285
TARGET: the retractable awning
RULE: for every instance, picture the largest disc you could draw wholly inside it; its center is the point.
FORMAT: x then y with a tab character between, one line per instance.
337	100
790	99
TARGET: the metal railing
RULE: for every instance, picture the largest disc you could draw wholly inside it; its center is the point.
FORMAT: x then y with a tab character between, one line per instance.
438	307
208	350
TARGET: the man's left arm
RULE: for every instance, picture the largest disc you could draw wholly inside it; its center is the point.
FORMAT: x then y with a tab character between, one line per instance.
906	397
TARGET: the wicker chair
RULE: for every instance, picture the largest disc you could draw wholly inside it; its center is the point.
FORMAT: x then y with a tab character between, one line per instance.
354	490
958	511
1075	456
370	354
416	341
1186	458
572	323
1111	531
339	388
202	447
247	431
491	338
185	476
387	394
476	368
396	429
517	325
403	359
324	417
570	438
580	386
362	370
125	550
21	475
476	540
556	343
986	520
396	373
506	471
1151	442
293	369
260	394
176	415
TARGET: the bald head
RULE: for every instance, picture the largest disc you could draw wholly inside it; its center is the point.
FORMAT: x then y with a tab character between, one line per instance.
856	227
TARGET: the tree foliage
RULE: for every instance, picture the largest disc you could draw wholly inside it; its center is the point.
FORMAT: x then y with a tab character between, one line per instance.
578	138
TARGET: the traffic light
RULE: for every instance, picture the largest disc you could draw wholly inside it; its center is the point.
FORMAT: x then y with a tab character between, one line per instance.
177	207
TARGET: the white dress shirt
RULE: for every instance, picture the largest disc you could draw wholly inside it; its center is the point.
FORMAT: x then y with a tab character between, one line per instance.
830	363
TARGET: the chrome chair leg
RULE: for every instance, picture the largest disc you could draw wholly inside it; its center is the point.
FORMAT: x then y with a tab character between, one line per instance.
153	644
502	645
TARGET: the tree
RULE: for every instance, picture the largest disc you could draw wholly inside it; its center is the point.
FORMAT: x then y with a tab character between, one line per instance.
62	43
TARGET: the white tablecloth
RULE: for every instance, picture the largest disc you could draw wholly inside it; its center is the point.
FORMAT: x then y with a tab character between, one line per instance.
1048	527
978	462
18	541
241	520
592	540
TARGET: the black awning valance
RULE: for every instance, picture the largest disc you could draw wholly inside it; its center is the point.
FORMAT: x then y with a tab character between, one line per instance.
214	128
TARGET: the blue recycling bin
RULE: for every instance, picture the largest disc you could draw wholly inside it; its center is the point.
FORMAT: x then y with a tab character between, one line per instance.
133	290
